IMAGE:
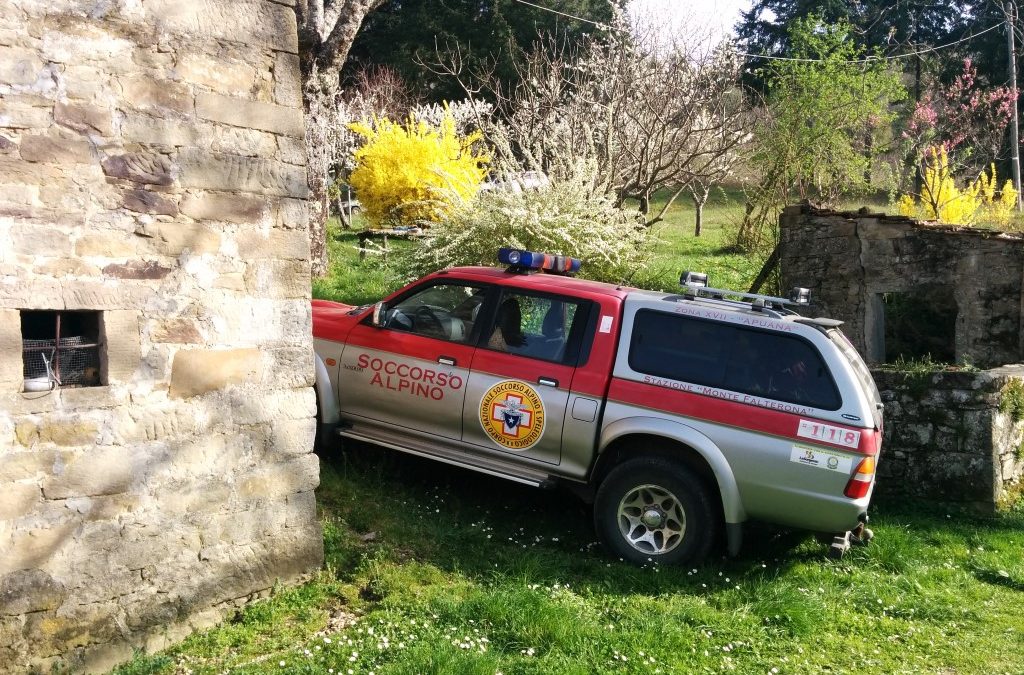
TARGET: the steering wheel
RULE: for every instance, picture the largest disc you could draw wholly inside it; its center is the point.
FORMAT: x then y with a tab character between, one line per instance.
427	322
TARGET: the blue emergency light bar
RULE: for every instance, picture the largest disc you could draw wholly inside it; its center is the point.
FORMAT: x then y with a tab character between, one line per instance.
525	261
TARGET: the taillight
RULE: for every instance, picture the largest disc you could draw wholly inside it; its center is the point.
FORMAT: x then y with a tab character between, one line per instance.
860	484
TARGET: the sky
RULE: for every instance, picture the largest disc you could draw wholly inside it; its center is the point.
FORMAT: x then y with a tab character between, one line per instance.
717	16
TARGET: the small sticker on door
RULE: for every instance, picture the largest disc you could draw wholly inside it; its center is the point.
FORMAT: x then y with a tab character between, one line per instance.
606	324
828	433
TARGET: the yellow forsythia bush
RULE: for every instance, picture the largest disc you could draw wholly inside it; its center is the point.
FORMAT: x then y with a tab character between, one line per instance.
408	174
942	200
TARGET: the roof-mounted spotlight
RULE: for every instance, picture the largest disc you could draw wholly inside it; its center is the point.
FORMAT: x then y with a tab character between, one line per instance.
693	280
800	296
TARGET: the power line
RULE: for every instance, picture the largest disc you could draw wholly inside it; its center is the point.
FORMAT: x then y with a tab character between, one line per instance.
867	59
569	16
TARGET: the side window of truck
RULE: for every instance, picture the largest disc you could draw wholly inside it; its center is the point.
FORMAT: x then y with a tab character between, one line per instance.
536	326
725	356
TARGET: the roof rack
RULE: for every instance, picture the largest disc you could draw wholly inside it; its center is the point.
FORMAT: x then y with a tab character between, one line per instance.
695	286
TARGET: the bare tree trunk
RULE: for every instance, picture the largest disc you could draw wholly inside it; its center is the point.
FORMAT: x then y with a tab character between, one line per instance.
700	198
327	29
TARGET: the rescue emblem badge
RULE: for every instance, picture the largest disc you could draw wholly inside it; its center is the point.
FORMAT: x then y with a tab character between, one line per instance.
512	414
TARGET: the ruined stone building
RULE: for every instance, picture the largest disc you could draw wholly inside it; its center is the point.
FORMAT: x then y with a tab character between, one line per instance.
156	416
910	293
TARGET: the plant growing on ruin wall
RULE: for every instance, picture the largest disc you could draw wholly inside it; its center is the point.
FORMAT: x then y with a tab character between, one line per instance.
415	173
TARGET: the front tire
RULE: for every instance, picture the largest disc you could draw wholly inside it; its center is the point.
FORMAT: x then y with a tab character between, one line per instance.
655	510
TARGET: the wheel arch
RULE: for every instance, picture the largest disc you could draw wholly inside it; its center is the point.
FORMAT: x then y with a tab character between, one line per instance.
636	436
328	409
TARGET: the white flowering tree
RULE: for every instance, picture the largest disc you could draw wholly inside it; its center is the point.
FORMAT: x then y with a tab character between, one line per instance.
651	114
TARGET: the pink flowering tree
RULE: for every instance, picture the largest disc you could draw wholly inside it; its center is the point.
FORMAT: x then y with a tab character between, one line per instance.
964	120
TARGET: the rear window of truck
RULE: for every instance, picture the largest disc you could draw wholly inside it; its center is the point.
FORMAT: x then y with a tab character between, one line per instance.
746	360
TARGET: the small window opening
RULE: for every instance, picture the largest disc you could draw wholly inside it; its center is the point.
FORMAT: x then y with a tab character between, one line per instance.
920	324
60	349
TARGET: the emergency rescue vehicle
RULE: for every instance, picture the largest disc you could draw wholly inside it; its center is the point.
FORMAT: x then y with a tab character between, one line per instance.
680	416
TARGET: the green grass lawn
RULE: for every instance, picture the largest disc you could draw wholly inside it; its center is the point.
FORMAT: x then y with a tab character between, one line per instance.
432	569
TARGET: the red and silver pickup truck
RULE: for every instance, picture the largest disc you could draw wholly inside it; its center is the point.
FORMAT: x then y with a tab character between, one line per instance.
681	416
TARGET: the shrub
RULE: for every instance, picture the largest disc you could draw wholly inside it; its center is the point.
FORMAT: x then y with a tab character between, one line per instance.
415	173
564	218
942	200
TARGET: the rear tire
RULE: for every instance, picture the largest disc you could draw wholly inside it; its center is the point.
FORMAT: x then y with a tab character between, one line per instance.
655	510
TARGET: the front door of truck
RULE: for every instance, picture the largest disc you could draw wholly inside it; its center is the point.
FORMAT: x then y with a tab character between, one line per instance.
412	372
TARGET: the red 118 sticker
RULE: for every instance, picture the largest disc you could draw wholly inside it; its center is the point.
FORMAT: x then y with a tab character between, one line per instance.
829	434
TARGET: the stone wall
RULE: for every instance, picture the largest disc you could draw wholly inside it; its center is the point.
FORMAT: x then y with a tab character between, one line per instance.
849	260
152	170
946	438
950	437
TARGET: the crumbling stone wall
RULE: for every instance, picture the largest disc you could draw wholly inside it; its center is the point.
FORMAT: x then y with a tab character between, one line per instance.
152	169
849	259
946	438
950	437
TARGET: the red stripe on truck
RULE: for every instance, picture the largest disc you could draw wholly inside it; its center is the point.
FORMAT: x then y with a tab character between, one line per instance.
751	413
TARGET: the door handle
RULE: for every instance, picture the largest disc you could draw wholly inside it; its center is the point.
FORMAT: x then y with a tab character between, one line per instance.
547	381
446	360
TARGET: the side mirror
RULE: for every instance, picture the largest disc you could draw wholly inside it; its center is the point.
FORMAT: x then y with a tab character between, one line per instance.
379	315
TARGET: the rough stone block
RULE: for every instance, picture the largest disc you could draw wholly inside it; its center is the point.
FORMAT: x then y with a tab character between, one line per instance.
122	334
151	168
200	169
289	367
15	115
155	131
291	150
30	591
84	118
245	21
19	66
242	112
146	93
223	207
65	267
106	244
198	371
224	75
55	150
287	80
293	437
144	201
278	279
137	269
177	331
33	548
11	371
33	239
18	500
293	213
231	140
275	243
31	293
101	470
87	42
68	431
87	294
175	237
279	480
27	465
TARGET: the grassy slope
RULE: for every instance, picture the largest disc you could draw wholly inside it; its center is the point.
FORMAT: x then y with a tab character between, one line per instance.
436	570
